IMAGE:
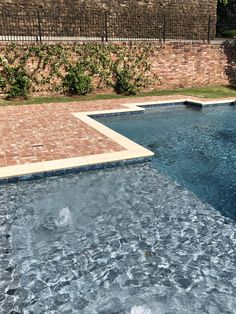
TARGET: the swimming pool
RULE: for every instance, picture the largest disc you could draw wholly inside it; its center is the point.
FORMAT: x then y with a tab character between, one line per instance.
196	147
110	241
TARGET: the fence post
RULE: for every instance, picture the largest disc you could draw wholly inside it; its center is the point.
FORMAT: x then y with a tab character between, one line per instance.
106	26
209	30
39	37
164	28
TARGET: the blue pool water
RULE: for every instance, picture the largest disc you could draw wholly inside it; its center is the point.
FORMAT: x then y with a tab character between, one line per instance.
127	240
197	148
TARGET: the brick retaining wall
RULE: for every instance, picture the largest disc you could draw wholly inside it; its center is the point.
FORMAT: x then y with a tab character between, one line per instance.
172	66
183	65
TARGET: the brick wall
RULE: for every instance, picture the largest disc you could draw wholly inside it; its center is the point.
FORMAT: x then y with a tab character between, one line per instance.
143	17
183	65
172	66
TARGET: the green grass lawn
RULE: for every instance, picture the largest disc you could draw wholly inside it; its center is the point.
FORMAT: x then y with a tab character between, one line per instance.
206	92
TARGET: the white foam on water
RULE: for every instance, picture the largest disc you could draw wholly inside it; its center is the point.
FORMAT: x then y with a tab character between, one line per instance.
64	217
140	310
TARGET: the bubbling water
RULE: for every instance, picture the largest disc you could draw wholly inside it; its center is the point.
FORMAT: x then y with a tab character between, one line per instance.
140	310
64	217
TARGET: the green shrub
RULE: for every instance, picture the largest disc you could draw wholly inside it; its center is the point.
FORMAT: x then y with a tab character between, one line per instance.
124	83
2	83
232	83
76	82
229	34
16	82
20	85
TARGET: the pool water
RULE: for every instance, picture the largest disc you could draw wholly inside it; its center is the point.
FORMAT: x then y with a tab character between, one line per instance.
127	240
197	148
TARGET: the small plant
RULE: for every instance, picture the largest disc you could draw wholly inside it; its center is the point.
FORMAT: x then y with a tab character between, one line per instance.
229	34
76	82
20	85
124	82
16	82
2	83
232	83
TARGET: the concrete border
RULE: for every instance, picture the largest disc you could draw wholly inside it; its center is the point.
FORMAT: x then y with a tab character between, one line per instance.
132	150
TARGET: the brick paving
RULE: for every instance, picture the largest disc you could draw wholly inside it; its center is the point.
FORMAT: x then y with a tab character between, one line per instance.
35	133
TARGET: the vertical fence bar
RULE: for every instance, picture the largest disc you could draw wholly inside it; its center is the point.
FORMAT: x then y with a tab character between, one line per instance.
106	26
209	30
164	28
39	37
5	22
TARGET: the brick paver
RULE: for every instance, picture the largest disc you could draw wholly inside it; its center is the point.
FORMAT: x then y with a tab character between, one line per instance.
34	133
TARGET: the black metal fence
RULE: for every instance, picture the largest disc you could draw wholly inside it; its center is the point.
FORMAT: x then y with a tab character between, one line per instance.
42	26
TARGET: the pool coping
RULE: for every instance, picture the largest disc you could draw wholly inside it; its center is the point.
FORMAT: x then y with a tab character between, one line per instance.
132	152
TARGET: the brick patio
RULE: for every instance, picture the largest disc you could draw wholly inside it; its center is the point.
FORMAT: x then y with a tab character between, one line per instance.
36	133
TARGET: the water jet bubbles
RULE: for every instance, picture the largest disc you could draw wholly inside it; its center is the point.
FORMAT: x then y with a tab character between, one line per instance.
64	218
140	310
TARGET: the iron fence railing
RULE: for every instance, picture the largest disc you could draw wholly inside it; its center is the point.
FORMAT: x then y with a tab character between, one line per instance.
42	26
